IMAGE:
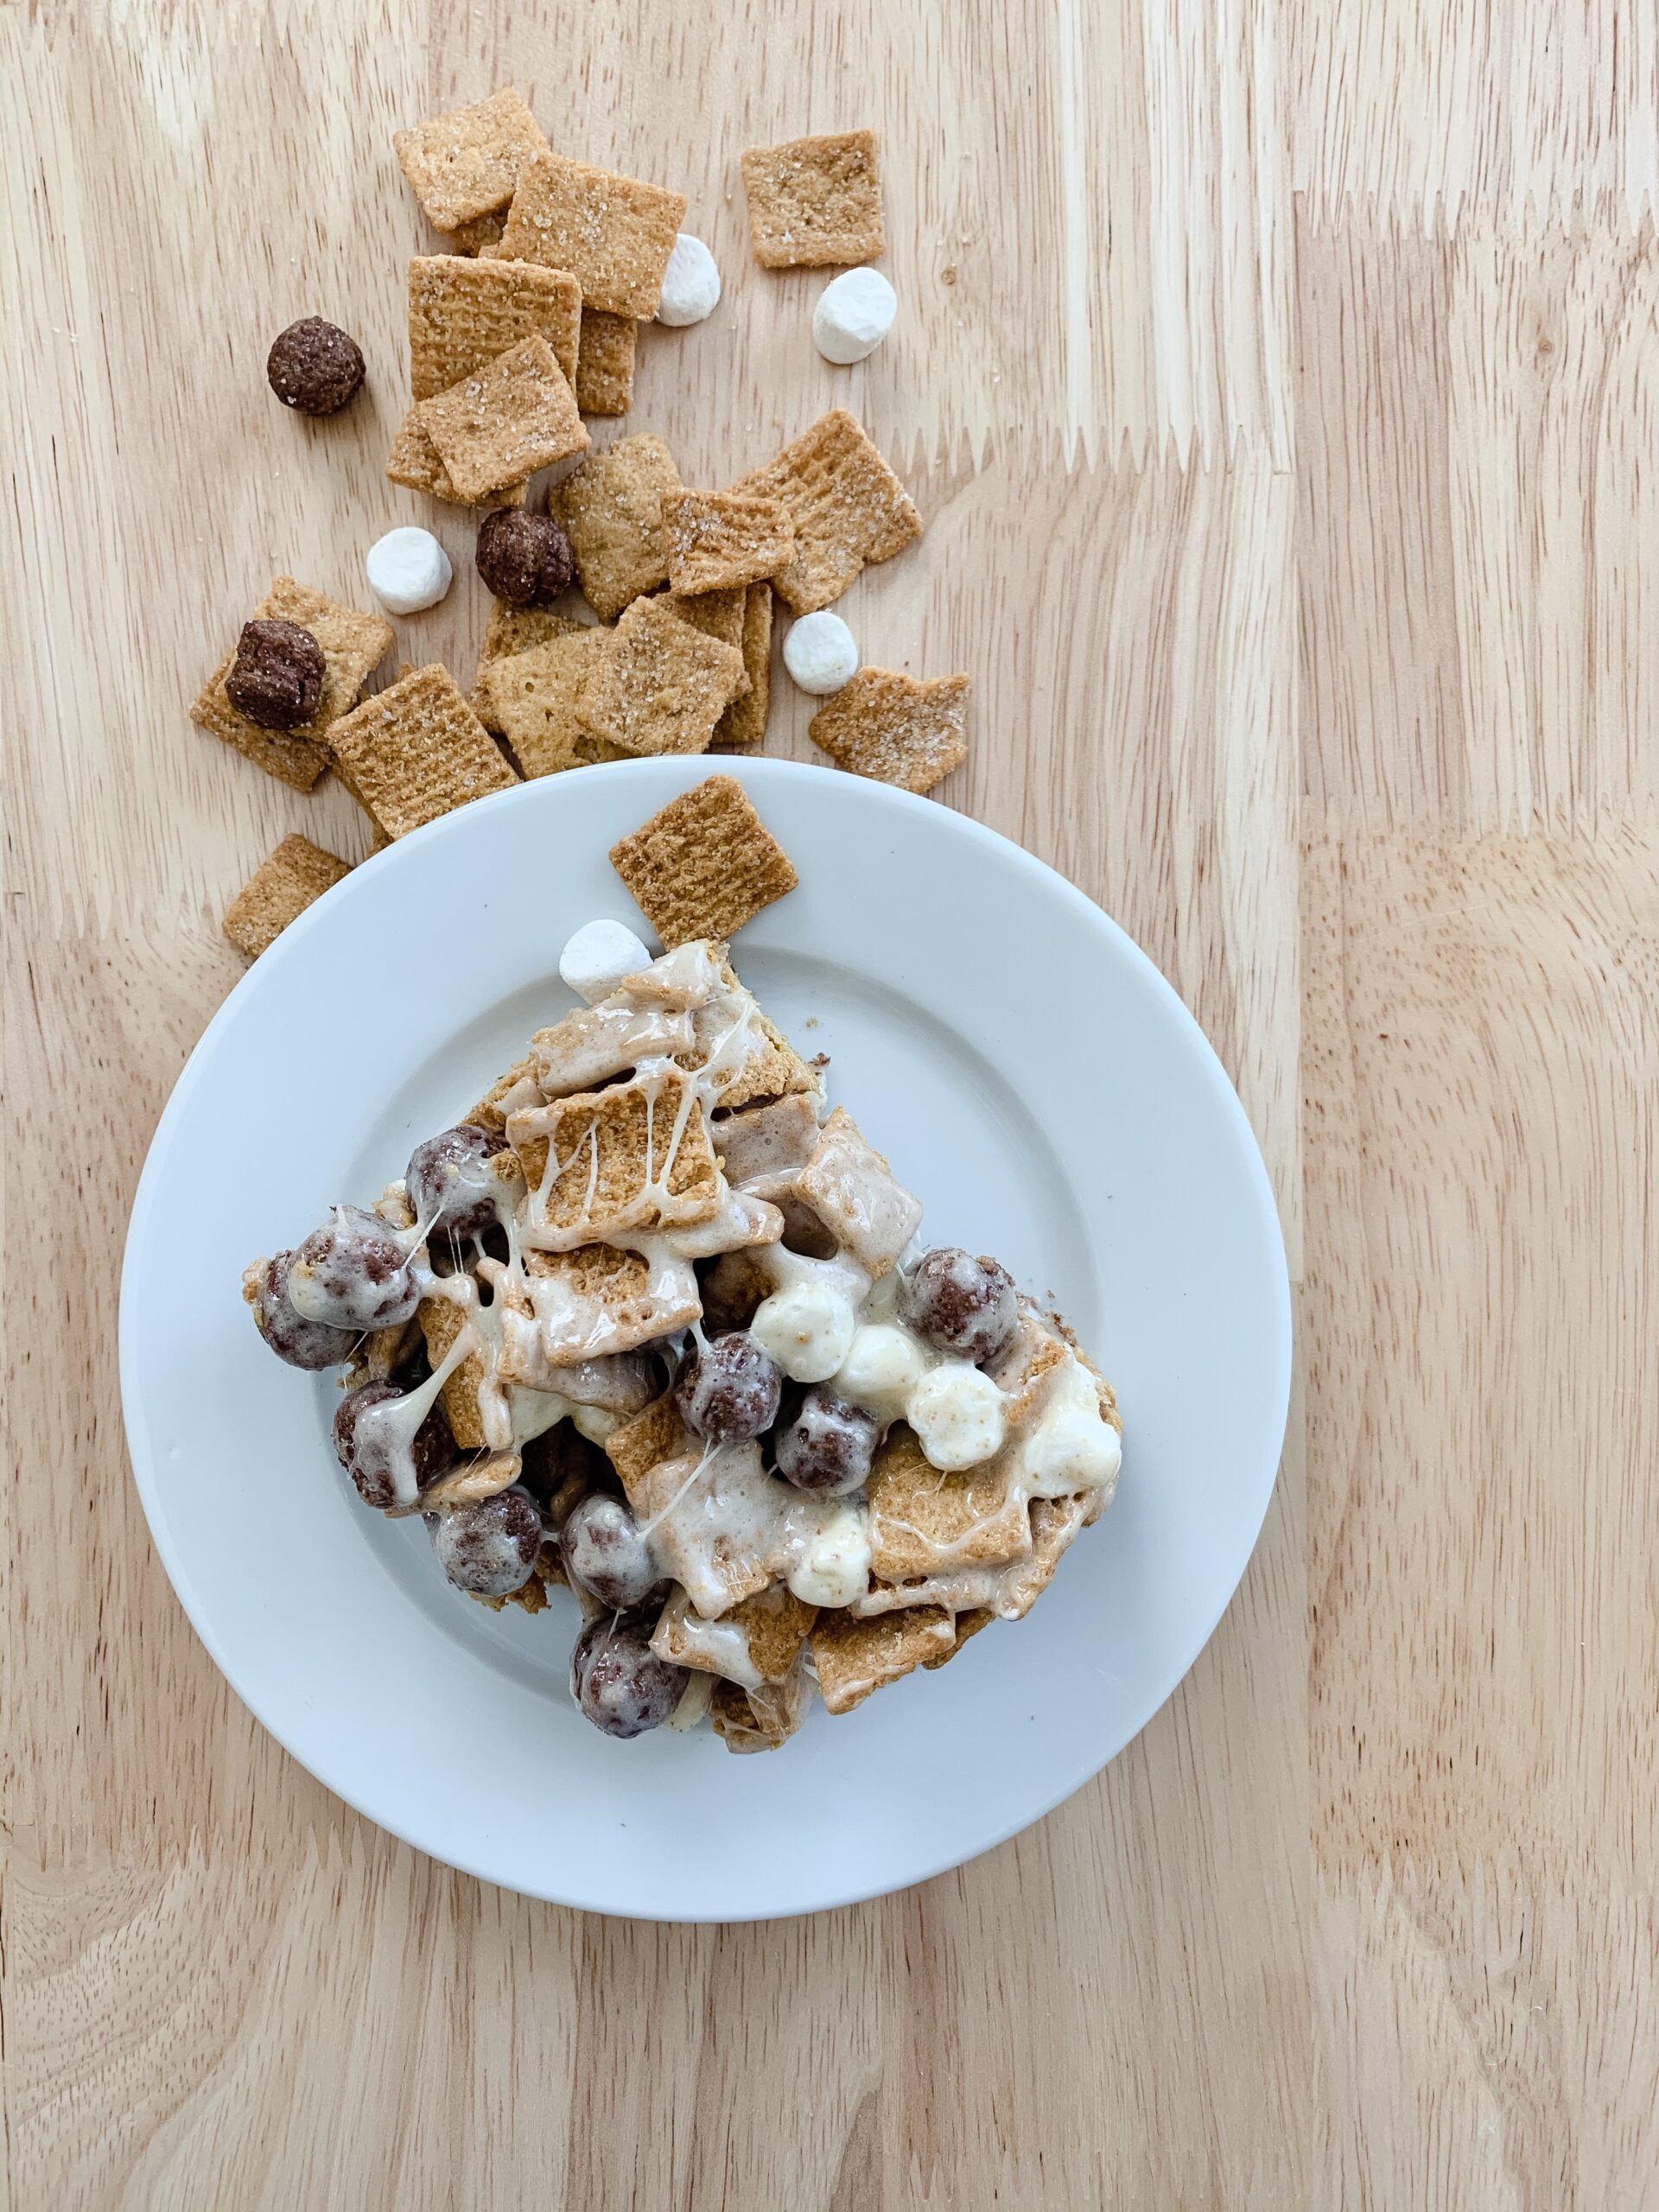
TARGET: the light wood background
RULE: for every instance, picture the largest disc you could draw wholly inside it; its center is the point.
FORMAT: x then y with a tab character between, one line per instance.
1280	385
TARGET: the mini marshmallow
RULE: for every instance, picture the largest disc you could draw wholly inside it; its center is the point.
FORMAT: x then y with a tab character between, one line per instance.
690	283
956	1412
883	1365
834	1567
853	315
1071	1448
408	569
599	956
820	654
807	1328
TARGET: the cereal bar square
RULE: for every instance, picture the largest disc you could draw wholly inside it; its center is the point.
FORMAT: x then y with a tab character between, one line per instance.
414	462
499	425
662	685
513	630
612	508
814	203
704	864
849	509
416	750
467	163
613	233
530	698
854	1657
906	730
622	1159
462	314
296	874
720	540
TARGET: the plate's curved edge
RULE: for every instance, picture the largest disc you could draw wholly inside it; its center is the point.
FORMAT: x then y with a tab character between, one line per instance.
649	773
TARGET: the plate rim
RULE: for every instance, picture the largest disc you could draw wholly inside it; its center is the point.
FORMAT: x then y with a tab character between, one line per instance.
761	771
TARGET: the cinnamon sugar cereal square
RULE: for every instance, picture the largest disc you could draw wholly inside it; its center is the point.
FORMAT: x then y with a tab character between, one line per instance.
417	750
605	362
467	163
924	1522
716	613
662	685
742	728
352	645
442	1321
479	235
847	507
623	1159
855	1657
906	730
462	314
414	462
612	508
531	697
814	203
278	891
613	233
644	1440
719	540
704	864
513	630
500	424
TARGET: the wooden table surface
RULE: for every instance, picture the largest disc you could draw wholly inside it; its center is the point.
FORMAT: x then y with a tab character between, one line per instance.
1281	388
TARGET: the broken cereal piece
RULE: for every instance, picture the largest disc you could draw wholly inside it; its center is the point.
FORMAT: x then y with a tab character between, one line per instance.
662	685
814	203
720	540
296	874
898	729
530	699
481	234
462	314
644	1440
499	425
467	163
414	462
704	864
854	1657
847	507
605	362
742	728
352	645
417	750
613	233
612	510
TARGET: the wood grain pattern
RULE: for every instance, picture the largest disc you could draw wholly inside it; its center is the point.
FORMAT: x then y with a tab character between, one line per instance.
1280	385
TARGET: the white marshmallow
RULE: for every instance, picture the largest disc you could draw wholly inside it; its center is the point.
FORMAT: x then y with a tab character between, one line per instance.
883	1365
408	569
834	1566
853	315
956	1412
594	1422
599	956
819	653
1071	1448
690	283
807	1328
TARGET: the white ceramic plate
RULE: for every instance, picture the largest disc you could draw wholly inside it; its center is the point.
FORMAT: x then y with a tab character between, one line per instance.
1032	1078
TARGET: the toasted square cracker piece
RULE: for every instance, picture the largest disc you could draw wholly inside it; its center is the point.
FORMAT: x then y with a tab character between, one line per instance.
462	314
414	462
530	699
516	1088
605	362
1054	1522
417	750
854	1657
479	235
613	233
716	613
513	630
644	1441
442	1321
353	645
742	728
612	508
467	163
764	1636
814	203
760	1719
622	1159
924	1522
906	730
500	424
854	1191
717	540
279	890
967	1626
847	507
704	864
661	685
769	1067
598	1299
